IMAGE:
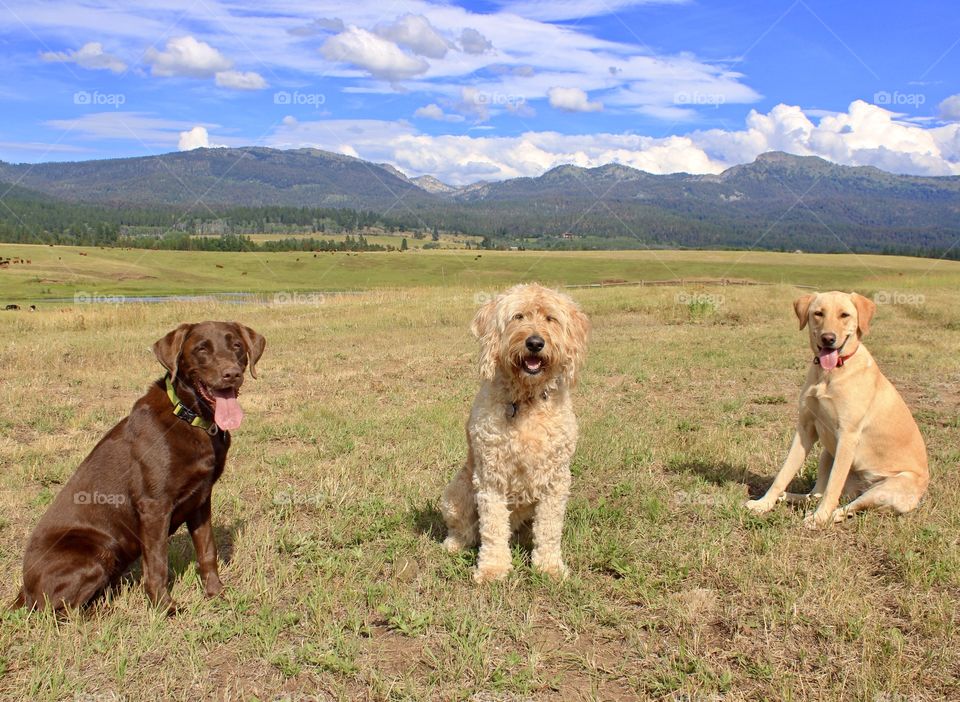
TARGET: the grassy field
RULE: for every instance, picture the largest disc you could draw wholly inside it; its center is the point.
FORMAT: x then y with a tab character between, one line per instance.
63	271
326	516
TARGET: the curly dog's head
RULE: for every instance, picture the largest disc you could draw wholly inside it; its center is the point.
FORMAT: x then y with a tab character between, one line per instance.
533	336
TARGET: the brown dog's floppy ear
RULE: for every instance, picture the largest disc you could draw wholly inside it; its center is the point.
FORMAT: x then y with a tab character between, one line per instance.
865	311
802	307
255	345
485	328
167	350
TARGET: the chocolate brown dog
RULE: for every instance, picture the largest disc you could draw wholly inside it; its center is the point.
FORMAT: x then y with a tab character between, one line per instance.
151	473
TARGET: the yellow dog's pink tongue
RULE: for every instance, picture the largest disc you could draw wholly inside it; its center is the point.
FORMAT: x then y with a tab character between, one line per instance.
228	414
828	359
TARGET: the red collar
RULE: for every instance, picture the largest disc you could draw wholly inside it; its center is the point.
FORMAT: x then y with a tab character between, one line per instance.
840	361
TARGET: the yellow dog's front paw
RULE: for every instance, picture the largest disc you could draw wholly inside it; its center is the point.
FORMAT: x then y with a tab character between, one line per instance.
818	520
486	573
760	506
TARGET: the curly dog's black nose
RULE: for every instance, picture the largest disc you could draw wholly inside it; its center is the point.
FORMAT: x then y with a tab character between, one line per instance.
535	343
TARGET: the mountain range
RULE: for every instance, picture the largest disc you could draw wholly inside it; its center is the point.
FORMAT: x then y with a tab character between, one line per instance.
779	201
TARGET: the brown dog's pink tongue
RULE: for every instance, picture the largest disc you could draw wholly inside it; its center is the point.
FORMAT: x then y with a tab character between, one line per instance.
828	359
228	414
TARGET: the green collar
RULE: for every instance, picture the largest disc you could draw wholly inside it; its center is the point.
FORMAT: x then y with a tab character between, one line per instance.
185	413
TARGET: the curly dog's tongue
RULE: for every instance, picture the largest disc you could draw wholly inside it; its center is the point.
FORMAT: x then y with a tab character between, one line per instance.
828	359
227	413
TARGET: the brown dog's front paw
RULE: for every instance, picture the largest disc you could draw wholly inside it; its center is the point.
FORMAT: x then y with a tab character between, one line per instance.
214	588
167	605
486	573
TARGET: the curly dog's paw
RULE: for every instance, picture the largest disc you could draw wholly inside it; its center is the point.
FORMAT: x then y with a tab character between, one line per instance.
453	545
490	573
555	569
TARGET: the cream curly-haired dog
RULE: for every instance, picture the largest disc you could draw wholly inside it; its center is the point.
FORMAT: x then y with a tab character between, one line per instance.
521	433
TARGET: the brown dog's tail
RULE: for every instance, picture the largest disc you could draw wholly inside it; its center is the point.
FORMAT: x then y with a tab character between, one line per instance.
19	602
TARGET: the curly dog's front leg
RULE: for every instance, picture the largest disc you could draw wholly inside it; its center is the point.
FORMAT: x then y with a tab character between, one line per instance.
494	560
548	530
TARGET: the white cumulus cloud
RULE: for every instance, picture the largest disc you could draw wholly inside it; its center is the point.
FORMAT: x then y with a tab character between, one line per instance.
196	138
415	32
473	42
240	80
186	56
372	53
572	100
950	108
91	56
434	111
863	135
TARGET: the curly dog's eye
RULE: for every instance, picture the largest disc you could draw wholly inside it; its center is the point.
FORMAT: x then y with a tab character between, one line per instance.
518	315
551	318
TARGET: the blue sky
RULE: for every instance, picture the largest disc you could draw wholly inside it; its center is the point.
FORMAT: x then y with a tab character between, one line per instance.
487	90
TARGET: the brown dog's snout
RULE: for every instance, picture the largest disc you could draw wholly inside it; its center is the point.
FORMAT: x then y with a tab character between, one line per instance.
828	339
231	375
535	343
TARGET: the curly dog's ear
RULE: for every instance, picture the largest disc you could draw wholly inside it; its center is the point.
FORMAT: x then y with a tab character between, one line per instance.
577	333
487	330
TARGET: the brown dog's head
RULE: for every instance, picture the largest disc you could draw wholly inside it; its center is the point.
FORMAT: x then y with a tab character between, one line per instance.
533	334
211	357
837	322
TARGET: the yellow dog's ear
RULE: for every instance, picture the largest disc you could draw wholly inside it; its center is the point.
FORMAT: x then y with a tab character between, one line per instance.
802	307
167	349
865	311
486	328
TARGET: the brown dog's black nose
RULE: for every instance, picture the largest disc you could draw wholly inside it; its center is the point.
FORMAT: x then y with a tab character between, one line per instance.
231	375
828	339
535	343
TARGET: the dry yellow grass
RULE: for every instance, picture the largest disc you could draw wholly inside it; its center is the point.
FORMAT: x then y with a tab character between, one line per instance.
327	524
